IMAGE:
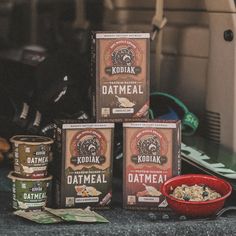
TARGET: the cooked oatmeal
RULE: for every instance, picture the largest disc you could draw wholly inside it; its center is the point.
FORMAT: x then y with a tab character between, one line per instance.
194	193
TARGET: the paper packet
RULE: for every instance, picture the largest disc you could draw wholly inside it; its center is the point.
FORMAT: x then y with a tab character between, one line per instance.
41	217
78	215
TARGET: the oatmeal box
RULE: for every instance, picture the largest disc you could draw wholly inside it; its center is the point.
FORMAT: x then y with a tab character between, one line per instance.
84	164
120	69
151	156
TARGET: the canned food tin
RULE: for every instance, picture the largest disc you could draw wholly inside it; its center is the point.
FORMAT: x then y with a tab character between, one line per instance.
29	194
31	155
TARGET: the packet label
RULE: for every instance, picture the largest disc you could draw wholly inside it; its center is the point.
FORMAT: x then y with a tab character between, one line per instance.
51	216
78	215
41	217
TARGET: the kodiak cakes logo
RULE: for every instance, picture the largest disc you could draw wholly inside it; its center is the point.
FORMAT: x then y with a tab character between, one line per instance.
123	57
149	146
88	147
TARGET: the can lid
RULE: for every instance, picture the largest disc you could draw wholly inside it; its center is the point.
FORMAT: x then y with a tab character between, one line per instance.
12	176
31	139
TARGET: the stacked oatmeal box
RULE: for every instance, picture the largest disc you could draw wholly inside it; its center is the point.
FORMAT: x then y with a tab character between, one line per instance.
151	150
120	68
151	156
84	164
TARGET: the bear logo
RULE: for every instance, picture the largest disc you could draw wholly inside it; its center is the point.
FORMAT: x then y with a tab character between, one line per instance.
88	147
149	146
123	57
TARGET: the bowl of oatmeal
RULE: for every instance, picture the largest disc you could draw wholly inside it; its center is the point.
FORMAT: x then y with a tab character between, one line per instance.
196	195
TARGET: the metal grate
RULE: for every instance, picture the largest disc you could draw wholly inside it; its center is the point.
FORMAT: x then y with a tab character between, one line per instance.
213	126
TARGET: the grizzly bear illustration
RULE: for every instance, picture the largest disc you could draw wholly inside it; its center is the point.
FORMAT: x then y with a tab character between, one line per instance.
88	147
149	146
123	57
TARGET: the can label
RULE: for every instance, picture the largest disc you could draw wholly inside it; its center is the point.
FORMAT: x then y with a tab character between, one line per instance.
31	160
29	195
31	155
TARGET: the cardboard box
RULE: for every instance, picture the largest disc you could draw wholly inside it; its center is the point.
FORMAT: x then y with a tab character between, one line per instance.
151	156
84	164
120	72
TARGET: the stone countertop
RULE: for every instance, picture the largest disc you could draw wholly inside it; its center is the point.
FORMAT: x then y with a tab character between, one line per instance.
122	222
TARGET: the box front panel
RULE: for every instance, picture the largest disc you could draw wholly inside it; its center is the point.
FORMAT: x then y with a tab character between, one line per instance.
148	164
88	162
122	79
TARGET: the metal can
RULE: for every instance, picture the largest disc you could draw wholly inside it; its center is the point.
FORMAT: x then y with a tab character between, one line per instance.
29	194
31	155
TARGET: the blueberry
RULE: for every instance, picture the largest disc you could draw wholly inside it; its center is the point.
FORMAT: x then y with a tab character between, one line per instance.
205	194
186	197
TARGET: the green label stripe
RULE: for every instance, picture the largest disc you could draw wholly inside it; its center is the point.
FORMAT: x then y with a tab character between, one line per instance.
189	123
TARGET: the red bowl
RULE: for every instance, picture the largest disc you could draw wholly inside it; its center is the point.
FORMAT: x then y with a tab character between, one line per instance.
199	208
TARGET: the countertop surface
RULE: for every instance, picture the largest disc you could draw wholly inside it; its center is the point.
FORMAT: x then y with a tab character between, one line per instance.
122	222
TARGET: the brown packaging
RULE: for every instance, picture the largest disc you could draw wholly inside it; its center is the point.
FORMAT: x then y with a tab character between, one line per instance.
151	156
84	157
120	67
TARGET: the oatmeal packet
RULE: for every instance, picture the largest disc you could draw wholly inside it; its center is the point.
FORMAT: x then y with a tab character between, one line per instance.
78	215
41	217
